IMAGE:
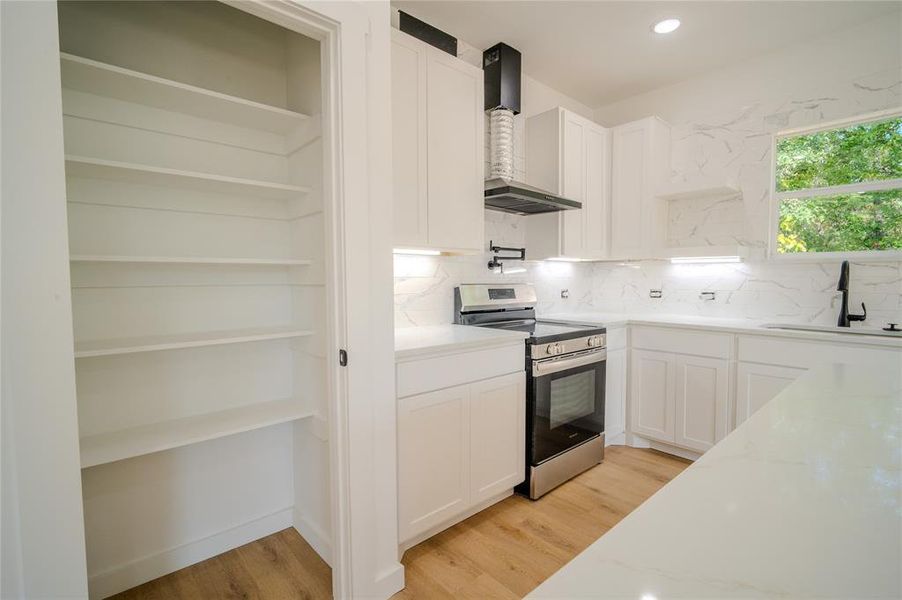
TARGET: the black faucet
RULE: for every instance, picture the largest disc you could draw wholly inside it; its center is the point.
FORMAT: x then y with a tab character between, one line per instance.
843	286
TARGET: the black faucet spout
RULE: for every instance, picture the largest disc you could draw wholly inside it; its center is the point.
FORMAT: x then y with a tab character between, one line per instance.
843	286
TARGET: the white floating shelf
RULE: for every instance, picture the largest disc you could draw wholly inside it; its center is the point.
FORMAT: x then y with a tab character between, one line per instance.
187	260
94	77
697	190
81	166
154	343
137	441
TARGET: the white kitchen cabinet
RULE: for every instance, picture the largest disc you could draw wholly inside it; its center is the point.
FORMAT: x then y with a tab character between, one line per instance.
571	156
497	436
640	164
758	384
615	396
700	401
438	140
408	68
676	397
653	388
458	448
615	387
433	458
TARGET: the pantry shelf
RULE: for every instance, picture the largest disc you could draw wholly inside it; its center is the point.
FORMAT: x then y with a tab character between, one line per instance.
154	343
137	441
81	166
95	77
187	260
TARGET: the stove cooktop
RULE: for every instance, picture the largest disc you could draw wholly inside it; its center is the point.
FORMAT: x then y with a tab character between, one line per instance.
543	332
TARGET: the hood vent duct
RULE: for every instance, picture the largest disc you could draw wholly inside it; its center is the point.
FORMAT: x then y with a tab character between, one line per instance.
501	67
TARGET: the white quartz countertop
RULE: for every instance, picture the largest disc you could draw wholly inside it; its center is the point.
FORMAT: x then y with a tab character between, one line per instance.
414	342
802	500
615	320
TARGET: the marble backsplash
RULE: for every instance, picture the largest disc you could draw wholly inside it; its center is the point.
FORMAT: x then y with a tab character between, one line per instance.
737	147
788	292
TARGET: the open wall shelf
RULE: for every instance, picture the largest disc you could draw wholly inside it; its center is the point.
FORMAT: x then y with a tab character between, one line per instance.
137	441
154	343
698	190
94	77
187	260
82	166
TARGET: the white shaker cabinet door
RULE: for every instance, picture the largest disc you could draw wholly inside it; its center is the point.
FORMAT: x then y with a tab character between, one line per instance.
497	435
615	395
701	401
628	190
758	384
433	458
408	76
455	149
573	184
596	193
652	394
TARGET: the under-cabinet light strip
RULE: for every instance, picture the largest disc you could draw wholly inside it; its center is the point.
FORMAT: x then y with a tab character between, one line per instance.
684	260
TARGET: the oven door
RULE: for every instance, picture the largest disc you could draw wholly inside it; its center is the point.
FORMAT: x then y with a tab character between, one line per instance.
566	402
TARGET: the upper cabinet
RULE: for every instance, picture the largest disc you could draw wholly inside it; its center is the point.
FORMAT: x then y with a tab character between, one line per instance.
571	156
641	163
438	146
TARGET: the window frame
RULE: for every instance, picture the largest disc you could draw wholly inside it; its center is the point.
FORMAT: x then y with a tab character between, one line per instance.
868	186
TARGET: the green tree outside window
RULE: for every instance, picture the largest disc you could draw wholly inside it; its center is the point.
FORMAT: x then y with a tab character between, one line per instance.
841	222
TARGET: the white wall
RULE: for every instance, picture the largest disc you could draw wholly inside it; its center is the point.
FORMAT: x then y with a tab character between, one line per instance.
722	124
723	121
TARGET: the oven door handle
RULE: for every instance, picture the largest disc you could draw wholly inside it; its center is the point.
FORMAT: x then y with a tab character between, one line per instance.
553	365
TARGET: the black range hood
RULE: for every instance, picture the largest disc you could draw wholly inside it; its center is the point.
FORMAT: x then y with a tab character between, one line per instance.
522	199
501	73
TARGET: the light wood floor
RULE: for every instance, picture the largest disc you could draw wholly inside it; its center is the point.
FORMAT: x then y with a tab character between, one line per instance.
503	552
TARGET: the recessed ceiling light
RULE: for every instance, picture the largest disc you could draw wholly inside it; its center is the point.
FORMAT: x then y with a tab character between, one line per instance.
666	26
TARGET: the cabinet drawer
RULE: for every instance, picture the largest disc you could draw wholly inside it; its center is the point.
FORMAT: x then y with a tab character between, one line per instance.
804	354
419	376
714	345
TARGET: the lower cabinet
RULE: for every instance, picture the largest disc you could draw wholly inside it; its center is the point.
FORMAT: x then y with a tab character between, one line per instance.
679	399
653	385
615	396
458	447
701	401
758	384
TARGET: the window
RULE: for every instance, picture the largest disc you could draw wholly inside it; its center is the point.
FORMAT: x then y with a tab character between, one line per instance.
840	189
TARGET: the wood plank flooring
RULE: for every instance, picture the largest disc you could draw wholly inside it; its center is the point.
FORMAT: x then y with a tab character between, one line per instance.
503	552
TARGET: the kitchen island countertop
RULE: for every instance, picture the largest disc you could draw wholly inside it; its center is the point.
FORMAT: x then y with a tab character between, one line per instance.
804	499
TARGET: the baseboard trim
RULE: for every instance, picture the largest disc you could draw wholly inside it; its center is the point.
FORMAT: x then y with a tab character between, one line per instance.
388	584
318	539
637	441
617	439
142	570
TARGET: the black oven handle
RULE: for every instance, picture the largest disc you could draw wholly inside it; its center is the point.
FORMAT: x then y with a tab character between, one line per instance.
547	366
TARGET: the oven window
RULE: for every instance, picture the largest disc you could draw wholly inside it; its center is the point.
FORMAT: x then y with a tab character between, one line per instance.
572	398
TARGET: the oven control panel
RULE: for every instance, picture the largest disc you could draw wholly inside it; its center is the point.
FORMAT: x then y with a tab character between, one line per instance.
568	346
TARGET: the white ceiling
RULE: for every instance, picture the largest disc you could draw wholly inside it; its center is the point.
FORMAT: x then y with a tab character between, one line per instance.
601	52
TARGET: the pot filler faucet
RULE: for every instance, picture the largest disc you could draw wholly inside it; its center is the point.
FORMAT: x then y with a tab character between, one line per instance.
843	286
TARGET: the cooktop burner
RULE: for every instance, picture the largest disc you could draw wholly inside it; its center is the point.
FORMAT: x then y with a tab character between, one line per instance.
541	332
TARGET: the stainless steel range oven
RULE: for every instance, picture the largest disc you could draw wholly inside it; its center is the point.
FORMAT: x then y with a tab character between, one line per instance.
565	368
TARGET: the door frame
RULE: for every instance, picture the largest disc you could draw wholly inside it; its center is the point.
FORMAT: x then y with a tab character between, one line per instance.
356	129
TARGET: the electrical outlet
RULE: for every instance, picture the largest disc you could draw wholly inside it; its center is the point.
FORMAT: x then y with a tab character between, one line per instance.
656	294
707	296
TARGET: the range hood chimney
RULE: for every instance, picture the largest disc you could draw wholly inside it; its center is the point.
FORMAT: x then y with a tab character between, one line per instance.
501	68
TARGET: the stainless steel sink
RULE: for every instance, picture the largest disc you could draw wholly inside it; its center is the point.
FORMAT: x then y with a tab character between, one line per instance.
829	329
